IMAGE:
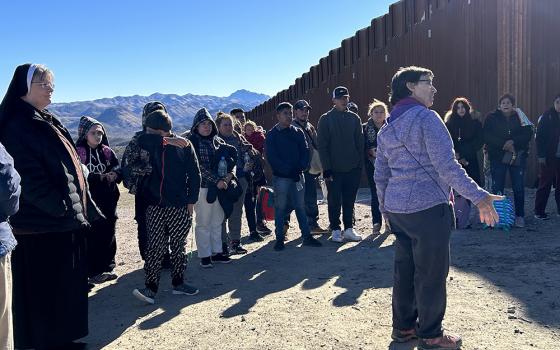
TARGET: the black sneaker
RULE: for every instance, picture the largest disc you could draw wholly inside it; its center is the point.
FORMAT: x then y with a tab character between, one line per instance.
318	230
279	245
263	229
542	216
256	237
206	263
237	248
221	259
185	289
311	242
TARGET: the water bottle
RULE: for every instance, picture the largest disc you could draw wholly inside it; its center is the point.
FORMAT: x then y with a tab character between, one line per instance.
247	160
222	167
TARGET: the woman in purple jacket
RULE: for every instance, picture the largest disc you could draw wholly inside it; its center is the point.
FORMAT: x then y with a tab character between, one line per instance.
415	169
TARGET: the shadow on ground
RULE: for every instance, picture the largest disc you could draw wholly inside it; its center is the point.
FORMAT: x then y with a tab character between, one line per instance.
249	278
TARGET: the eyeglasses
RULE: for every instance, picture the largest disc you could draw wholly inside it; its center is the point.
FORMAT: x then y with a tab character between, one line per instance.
427	81
44	85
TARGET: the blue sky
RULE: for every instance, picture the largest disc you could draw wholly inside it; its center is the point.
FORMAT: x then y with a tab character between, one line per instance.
121	47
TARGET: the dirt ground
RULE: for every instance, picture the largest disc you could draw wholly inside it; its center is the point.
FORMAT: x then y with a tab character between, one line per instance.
503	293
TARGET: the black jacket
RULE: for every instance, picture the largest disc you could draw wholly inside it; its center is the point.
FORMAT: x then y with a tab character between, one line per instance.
467	136
175	177
51	197
105	194
498	129
548	134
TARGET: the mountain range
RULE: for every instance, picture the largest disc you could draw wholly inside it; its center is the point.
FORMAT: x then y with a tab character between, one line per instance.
122	115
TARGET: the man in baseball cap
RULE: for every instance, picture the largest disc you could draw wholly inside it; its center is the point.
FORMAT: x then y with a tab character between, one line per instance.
288	156
301	120
340	144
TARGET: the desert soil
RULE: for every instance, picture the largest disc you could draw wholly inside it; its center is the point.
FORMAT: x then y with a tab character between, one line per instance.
503	293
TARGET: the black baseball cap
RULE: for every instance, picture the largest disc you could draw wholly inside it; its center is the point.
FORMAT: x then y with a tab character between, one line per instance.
340	91
302	104
283	105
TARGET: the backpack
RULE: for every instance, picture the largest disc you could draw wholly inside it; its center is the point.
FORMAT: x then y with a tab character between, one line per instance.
462	208
266	200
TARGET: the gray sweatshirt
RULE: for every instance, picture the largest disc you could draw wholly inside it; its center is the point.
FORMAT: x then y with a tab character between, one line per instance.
419	178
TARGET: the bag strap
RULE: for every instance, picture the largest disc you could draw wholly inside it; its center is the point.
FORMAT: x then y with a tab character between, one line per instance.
448	195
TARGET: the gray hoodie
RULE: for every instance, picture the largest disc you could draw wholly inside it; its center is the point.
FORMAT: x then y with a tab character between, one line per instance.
415	165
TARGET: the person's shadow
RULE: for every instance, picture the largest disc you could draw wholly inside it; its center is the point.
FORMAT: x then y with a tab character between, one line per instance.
249	278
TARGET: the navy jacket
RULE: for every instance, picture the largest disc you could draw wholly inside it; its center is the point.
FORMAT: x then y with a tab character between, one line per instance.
287	152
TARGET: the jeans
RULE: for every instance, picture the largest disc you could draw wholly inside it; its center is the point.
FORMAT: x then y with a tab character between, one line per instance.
550	174
342	194
253	209
310	201
375	213
286	195
233	229
499	171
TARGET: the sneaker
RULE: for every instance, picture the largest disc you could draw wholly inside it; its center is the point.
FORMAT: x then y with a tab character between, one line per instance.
237	248
311	242
519	222
445	342
206	263
351	235
263	229
542	216
376	229
185	289
97	279
221	259
318	230
145	294
403	336
336	236
279	245
255	237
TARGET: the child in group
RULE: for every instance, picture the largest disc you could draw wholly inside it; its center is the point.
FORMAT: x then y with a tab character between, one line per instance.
104	174
171	191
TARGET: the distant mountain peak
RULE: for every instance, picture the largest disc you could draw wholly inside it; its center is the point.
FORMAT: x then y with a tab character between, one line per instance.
121	114
246	94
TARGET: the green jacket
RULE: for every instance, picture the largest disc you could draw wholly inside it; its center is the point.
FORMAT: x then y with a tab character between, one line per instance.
340	141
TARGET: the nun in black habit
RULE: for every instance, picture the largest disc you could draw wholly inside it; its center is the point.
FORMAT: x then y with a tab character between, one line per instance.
49	266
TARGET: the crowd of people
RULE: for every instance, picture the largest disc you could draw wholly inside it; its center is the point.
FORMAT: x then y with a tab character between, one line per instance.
59	197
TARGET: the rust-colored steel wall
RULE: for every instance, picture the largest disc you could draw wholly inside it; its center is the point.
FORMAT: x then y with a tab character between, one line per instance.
476	48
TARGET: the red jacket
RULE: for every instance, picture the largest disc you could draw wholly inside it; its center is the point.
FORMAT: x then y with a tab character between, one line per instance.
257	140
